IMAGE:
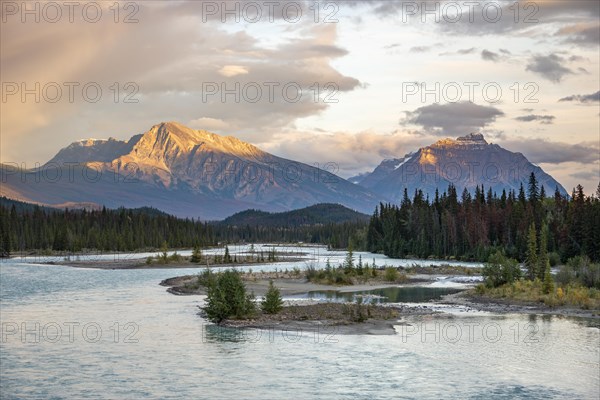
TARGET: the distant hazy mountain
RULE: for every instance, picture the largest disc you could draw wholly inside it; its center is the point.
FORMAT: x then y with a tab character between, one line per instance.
465	162
181	171
312	215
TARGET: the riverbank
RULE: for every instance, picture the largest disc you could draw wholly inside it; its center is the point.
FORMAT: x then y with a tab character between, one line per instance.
258	283
287	285
469	298
143	264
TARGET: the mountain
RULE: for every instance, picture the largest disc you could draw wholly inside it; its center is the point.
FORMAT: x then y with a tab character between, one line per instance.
182	171
465	162
312	215
90	150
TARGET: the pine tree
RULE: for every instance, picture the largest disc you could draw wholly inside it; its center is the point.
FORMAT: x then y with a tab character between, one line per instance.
359	268
227	256
548	282
543	262
532	191
531	262
272	302
521	197
349	262
164	248
196	255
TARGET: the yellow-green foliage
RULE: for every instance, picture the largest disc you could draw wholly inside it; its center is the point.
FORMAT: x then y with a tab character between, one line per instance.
534	291
391	274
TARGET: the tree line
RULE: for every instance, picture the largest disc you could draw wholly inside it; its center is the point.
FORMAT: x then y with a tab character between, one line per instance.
473	227
27	227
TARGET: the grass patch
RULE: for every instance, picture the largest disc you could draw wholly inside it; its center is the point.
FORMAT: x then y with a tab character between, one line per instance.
572	295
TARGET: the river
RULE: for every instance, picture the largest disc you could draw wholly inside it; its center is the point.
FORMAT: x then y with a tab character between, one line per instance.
85	333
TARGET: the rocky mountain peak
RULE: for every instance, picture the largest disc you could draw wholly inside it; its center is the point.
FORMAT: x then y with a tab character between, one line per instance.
475	138
465	162
471	140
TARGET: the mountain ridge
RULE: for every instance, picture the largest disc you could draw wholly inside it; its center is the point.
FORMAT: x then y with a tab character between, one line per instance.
465	162
186	172
317	214
196	173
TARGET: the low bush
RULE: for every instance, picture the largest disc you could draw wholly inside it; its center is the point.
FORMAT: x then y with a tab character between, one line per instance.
500	270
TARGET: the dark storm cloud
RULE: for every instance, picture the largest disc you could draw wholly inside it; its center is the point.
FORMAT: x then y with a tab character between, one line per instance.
452	118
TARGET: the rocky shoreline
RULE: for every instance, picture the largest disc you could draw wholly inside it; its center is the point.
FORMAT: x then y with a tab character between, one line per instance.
328	318
511	306
185	285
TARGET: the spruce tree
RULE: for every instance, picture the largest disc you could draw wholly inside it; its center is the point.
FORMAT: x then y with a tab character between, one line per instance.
272	302
531	262
349	262
543	261
548	282
532	191
196	255
227	257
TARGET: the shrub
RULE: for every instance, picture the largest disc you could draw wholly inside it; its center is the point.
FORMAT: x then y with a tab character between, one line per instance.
164	255
581	270
310	272
553	259
500	270
272	303
565	275
391	274
175	257
227	297
590	276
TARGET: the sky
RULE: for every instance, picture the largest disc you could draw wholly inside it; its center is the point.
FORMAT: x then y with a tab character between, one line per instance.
344	83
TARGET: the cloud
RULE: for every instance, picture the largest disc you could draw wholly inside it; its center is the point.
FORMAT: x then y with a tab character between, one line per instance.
459	52
209	124
453	118
583	98
351	152
584	33
233	70
472	21
392	46
549	67
466	51
543	119
170	67
420	49
548	152
490	56
425	49
587	175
